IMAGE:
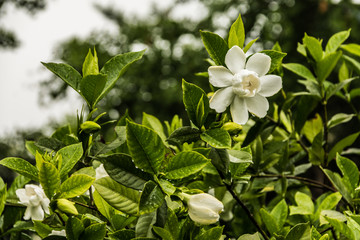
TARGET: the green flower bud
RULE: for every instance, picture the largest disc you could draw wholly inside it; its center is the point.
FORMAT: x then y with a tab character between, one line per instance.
232	128
90	126
67	206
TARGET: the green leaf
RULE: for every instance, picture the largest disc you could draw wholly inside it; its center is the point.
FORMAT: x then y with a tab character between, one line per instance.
49	178
353	63
95	231
75	186
172	223
185	164
22	167
300	70
74	228
211	234
349	170
215	46
91	87
3	194
328	203
339	119
145	146
121	168
237	33
342	187
163	233
154	123
70	156
300	231
120	221
90	65
220	159
305	205
248	46
280	213
341	227
276	59
352	48
67	73
151	198
118	196
201	112
269	221
192	95
116	67
144	225
126	234
313	127
336	40
104	208
331	214
313	45
317	152
326	65
254	236
335	88
217	137
42	229
184	134
343	143
312	87
344	72
19	182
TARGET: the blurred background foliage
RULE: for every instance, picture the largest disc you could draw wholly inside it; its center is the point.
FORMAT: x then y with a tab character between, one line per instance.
175	51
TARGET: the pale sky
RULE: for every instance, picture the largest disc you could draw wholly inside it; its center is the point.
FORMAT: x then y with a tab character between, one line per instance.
20	69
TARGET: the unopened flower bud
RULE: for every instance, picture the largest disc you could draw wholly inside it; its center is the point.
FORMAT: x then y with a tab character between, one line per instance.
204	208
90	126
67	206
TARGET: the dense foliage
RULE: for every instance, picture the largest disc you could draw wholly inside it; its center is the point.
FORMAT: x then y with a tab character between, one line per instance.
287	175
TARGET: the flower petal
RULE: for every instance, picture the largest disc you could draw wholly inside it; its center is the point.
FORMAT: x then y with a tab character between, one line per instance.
259	63
270	84
220	76
235	59
239	112
37	213
222	99
21	194
27	213
257	105
203	215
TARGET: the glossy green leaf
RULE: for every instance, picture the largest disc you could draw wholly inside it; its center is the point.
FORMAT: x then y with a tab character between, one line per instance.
121	168
300	231
91	87
201	113
163	233
118	196
22	167
154	123
151	198
237	33
75	186
336	40
192	95
119	221
326	65
343	143
95	231
104	208
217	137
116	67
280	213
49	178
352	48
269	221
185	164
70	156
90	65
349	170
67	73
339	119
328	203
74	227
126	234
184	134
314	47
215	46
248	46
144	225
276	59
300	70
305	205
145	146
42	229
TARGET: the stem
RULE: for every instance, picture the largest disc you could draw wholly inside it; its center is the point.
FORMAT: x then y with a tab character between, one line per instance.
85	205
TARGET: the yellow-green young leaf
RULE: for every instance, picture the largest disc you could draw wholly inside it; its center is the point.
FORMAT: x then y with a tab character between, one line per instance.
217	137
237	33
118	196
49	178
95	231
352	48
340	227
280	213
70	156
336	40
326	65
75	186
340	185
104	208
201	114
254	236
312	127
90	126
91	87
349	170
305	205
248	46
145	146
22	167
328	203
300	70
67	73
152	122
343	72
269	221
314	47
215	46
185	164
151	198
90	65
3	194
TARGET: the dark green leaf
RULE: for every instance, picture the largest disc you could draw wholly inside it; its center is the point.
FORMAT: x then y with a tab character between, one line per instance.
91	87
144	225
343	143
151	198
184	134
220	159
217	137
237	33
126	234
335	88
74	228
215	46
22	167
95	231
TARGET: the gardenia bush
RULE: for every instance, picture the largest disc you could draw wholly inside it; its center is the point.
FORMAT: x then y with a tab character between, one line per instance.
225	175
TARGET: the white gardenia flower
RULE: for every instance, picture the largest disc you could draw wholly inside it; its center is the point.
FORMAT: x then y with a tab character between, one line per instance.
243	84
204	208
58	233
36	201
101	172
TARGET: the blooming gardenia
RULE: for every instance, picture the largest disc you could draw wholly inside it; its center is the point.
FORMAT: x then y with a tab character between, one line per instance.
204	208
243	85
58	233
36	201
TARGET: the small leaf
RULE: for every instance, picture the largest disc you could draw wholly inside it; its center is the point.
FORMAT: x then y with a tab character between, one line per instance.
343	143
22	167
300	70
276	59
313	127
269	221
300	231
349	170
74	228
280	213
215	46
3	194
152	122
49	178
336	40
126	234
201	114
91	87
339	119
248	46
352	48
217	137
70	156
326	65
211	234
90	65
305	205
184	134
312	87
151	198
145	146
118	196
335	88
95	231
185	164
237	33
75	186
313	45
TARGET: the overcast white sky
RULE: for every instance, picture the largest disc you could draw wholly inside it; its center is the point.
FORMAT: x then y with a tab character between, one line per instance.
20	69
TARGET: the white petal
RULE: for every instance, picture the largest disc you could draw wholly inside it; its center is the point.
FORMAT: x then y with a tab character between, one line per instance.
27	214
239	112
37	213
45	205
257	105
21	194
235	59
259	63
220	76
222	99
270	84
203	215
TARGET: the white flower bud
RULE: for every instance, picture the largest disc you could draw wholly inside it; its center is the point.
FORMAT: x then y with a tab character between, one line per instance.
204	208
